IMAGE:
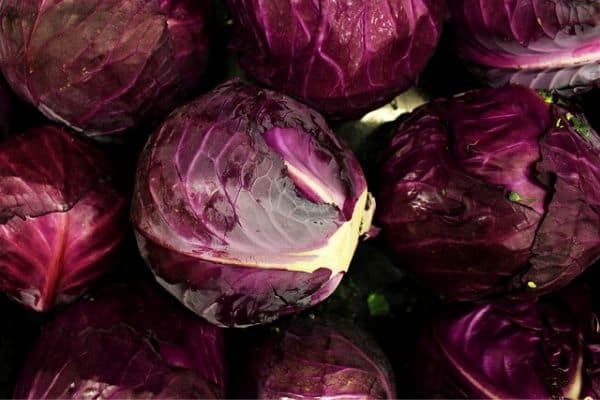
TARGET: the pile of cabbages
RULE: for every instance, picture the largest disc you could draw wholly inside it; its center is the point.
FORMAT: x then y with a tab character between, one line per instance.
299	199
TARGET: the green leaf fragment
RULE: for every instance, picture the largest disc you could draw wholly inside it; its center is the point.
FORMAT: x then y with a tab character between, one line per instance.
514	196
547	96
581	127
578	123
378	305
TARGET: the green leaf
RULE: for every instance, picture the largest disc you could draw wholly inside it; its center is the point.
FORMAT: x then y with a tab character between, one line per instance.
581	127
547	95
378	305
514	197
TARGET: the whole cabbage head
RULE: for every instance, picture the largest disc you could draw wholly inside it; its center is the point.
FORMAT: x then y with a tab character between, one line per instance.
315	359
247	206
103	67
493	191
546	349
61	219
342	57
125	342
538	43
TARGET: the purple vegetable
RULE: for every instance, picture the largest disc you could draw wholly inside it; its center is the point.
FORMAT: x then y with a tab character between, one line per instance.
247	206
531	350
103	67
318	360
129	341
493	191
61	221
344	58
538	43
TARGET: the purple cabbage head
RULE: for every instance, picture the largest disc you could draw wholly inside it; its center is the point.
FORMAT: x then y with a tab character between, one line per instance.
247	206
531	350
312	359
344	58
493	191
103	67
130	341
538	43
61	220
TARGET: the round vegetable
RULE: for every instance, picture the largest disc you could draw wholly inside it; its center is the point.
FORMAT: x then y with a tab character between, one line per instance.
317	360
342	57
493	191
126	342
61	221
537	43
103	67
247	206
502	350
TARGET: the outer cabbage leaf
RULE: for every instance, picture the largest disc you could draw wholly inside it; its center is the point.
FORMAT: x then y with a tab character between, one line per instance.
342	57
129	341
317	360
535	350
542	44
494	191
247	205
61	221
126	60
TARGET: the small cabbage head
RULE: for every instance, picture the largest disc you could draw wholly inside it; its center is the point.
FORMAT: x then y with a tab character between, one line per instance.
316	359
538	43
61	219
103	67
344	58
545	349
247	206
125	342
493	191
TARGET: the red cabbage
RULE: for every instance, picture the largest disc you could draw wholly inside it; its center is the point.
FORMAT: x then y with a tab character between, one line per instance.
493	191
128	341
344	58
103	67
247	206
61	219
